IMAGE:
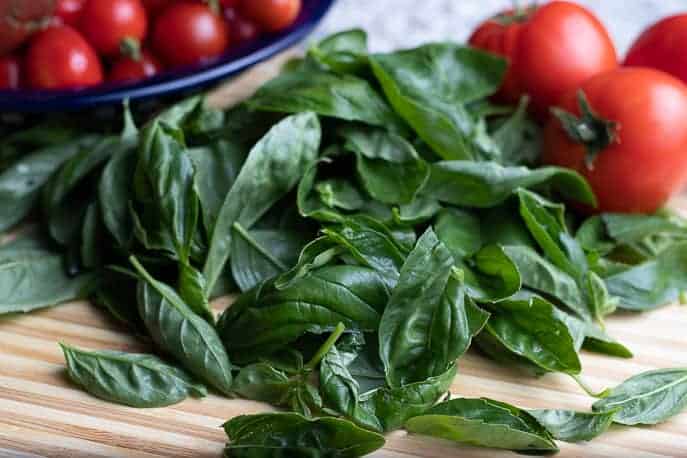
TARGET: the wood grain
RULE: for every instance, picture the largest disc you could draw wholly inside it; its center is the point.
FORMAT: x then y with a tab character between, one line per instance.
43	415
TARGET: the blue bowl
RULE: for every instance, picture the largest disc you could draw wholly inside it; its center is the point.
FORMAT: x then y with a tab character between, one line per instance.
184	80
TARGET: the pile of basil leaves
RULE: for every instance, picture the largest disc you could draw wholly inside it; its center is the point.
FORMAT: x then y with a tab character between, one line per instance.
376	216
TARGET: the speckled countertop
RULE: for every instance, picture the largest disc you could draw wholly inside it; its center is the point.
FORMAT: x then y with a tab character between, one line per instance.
403	23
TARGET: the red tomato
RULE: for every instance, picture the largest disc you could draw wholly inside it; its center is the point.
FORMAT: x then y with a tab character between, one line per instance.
153	7
106	23
241	28
10	73
19	19
230	3
662	46
187	33
128	69
69	11
60	57
642	154
499	35
552	50
272	15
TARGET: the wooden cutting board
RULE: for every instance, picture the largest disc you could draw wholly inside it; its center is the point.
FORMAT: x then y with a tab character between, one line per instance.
42	414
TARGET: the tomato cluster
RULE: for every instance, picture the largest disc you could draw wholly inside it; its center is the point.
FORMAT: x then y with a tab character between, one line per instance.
58	44
623	127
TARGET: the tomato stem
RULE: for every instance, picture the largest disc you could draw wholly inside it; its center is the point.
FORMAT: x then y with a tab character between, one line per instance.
589	129
130	47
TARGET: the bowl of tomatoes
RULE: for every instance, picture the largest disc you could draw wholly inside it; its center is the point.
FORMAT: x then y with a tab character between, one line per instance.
65	55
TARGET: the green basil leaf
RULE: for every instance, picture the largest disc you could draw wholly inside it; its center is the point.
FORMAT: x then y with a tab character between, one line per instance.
262	382
429	87
115	193
540	275
519	138
21	182
314	255
116	293
91	242
488	184
192	289
429	322
648	398
460	231
484	423
180	332
134	380
266	319
217	165
342	391
33	279
371	244
394	406
571	426
260	255
343	52
338	96
419	211
165	184
530	329
492	276
635	228
652	284
388	166
292	435
62	206
340	193
272	169
598	341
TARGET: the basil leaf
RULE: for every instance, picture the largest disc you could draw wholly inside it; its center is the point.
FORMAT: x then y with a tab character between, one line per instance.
91	252
165	184
488	184
315	254
460	231
530	329
131	379
272	169
492	275
179	331
35	279
20	183
62	206
371	244
115	193
338	96
598	341
540	275
342	391
116	293
262	382
428	322
266	319
648	398
518	138
419	211
388	166
484	423
343	52
570	426
289	434
429	87
217	165
394	406
260	255
192	287
630	229
339	193
652	284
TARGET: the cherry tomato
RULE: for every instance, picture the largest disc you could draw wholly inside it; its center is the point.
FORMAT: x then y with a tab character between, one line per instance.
19	19
241	28
129	69
187	33
153	7
106	23
632	147
60	57
499	35
662	46
69	11
272	15
230	3
552	49
10	73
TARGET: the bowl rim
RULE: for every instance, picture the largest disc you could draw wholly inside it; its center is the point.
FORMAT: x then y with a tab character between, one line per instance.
185	79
